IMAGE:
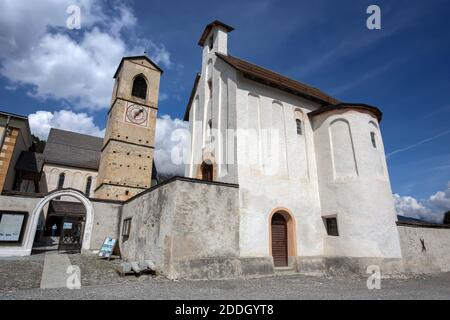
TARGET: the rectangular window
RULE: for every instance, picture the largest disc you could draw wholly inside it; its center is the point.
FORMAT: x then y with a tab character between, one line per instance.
12	226
126	227
332	227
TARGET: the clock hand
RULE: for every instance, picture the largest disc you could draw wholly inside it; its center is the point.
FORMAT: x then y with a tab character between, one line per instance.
138	113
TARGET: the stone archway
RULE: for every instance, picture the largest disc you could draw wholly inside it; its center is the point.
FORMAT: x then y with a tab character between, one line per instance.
53	195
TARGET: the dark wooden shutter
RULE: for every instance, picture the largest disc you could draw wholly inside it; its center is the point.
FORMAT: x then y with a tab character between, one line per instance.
279	241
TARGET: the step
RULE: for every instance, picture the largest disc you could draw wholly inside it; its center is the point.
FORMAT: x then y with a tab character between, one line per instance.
285	270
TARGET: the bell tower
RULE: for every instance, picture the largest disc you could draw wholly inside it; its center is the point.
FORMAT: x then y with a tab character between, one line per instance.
128	148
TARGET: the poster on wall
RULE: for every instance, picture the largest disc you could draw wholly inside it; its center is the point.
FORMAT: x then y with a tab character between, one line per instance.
107	248
11	226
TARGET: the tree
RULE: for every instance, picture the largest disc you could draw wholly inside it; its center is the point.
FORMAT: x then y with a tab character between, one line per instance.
38	144
447	217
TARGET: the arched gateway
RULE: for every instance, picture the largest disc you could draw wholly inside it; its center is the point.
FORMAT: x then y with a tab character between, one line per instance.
56	195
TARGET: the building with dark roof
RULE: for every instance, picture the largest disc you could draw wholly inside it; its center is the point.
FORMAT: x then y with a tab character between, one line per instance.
303	159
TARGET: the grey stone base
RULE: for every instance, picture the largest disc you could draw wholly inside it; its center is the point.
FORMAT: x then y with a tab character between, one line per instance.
222	268
348	265
235	267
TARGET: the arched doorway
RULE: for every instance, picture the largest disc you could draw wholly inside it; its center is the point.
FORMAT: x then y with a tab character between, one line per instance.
282	237
279	240
207	171
86	237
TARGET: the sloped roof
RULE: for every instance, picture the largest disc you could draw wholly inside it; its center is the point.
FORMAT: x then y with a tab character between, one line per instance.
340	106
193	91
278	81
136	58
207	30
73	149
30	162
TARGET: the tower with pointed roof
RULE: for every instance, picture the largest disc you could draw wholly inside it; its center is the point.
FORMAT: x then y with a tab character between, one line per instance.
128	148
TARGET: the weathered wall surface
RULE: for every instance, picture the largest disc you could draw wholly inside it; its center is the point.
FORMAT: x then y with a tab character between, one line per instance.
182	221
75	178
106	222
275	175
354	185
435	257
9	203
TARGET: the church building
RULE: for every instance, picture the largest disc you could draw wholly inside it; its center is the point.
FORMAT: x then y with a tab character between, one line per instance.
278	176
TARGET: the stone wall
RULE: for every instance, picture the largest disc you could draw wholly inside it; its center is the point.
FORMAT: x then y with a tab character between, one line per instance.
105	222
181	223
434	257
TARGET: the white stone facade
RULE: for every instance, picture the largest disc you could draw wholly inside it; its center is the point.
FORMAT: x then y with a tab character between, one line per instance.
331	169
75	178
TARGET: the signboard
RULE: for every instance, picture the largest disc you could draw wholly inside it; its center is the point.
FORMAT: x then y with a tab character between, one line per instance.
67	225
107	248
11	226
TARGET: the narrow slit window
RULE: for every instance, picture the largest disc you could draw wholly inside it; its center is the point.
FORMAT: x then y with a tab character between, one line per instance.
211	42
373	139
126	227
299	127
87	191
61	179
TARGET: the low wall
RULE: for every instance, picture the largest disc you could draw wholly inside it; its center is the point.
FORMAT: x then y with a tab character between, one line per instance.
105	222
23	204
425	247
184	223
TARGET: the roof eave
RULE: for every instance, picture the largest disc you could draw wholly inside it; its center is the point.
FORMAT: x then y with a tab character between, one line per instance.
207	30
134	58
191	98
342	106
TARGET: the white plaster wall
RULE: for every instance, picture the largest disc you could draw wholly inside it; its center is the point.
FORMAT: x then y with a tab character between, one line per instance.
263	187
75	178
220	109
358	193
435	257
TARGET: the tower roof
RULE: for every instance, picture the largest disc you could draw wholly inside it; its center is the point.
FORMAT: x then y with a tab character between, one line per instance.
208	28
137	58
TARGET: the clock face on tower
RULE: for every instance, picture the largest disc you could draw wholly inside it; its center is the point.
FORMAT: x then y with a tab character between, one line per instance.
136	114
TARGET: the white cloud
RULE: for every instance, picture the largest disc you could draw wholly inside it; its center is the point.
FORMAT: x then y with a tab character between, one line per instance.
431	209
441	199
410	207
172	136
42	121
77	66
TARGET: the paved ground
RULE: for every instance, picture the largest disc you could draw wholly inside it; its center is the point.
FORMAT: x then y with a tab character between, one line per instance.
280	287
23	279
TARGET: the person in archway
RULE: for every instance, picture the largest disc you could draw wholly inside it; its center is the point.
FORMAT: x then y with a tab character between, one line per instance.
54	228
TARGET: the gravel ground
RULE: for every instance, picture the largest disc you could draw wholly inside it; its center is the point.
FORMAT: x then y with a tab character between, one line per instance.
277	287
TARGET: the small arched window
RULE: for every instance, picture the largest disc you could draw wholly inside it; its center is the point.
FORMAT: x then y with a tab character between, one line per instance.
61	179
87	191
299	126
139	87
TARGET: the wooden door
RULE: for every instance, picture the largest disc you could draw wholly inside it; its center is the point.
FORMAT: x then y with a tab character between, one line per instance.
279	241
207	172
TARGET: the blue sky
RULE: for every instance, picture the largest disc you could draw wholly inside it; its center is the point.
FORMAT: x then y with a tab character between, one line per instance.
404	68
